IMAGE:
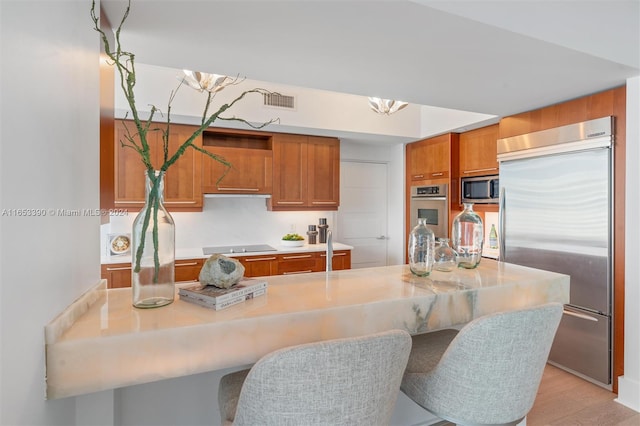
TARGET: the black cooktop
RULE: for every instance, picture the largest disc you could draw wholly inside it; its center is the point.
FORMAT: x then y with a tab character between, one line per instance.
249	248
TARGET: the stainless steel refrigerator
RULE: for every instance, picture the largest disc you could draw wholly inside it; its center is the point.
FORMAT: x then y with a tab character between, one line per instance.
556	214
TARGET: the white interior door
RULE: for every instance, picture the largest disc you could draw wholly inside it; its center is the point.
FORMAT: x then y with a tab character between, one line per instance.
362	216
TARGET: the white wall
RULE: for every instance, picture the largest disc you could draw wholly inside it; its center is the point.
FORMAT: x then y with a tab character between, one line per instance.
629	384
49	136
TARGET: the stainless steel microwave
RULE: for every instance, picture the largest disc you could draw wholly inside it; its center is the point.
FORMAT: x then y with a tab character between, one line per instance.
480	189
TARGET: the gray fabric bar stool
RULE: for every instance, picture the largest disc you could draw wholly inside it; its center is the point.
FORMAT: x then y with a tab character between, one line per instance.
352	381
486	374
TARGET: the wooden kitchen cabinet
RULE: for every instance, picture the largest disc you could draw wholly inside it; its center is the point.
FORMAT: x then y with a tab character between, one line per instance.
430	159
188	270
478	152
251	159
341	260
298	263
306	173
259	266
118	275
182	183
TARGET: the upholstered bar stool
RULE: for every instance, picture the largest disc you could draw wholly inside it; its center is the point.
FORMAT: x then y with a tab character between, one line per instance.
486	374
352	381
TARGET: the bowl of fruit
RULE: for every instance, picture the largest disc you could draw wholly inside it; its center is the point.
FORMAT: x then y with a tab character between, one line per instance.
292	240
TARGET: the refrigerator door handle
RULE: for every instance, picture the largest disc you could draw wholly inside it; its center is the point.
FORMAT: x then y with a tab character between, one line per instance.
501	223
581	316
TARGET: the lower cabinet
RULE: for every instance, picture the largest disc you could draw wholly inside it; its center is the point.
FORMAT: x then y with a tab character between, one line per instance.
259	266
118	275
298	263
294	263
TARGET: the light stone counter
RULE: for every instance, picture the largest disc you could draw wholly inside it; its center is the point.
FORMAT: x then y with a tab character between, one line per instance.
101	342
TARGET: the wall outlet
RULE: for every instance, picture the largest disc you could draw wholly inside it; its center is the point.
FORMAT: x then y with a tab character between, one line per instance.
292	228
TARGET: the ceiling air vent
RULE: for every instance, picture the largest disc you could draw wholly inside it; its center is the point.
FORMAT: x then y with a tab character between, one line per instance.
278	100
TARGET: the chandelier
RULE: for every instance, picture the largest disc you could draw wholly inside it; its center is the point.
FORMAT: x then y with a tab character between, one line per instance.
386	106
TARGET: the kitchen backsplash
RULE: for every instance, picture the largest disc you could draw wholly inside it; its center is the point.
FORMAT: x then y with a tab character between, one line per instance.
228	221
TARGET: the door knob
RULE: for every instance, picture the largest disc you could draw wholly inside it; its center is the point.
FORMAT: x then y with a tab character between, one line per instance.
381	237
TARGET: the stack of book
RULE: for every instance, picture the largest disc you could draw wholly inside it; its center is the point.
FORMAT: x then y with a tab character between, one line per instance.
219	298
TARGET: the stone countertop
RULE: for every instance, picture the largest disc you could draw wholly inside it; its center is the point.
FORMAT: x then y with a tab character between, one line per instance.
196	253
101	342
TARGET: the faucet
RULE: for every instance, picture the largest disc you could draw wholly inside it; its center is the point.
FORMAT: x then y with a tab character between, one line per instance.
329	250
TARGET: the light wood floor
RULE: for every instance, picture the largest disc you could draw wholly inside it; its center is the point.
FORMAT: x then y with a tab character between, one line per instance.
564	399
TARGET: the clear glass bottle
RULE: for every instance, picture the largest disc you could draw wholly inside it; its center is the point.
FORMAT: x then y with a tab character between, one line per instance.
153	249
467	237
421	249
445	258
493	237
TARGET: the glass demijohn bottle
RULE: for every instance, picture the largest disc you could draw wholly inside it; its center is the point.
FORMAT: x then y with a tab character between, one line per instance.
153	249
467	237
421	249
445	258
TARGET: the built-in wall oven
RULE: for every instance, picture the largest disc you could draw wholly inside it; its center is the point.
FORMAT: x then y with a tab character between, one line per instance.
430	202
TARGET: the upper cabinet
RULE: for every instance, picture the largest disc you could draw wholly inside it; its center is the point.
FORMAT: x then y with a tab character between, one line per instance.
251	159
182	190
478	152
299	172
430	159
306	173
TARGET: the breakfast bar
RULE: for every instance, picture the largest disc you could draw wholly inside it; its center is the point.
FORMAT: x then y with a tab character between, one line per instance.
101	342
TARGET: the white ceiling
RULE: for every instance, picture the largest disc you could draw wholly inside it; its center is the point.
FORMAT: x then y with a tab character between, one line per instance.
492	57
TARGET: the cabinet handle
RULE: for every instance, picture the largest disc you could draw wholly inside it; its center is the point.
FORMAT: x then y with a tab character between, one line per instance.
437	174
334	254
290	202
219	188
306	256
129	202
480	170
259	259
418	176
186	264
185	282
180	202
324	202
297	272
124	268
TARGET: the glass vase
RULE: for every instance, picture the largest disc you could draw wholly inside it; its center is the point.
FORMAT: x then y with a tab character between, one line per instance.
467	237
153	248
421	248
445	258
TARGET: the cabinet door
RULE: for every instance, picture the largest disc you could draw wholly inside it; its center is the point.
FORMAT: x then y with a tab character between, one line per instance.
118	275
183	182
323	178
430	158
299	263
129	169
341	260
259	266
478	152
250	173
289	172
188	270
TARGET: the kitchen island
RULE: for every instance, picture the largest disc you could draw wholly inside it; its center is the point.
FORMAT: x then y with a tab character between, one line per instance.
101	342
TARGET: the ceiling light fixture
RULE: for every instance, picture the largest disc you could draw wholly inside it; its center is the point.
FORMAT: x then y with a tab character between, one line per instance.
207	82
386	106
